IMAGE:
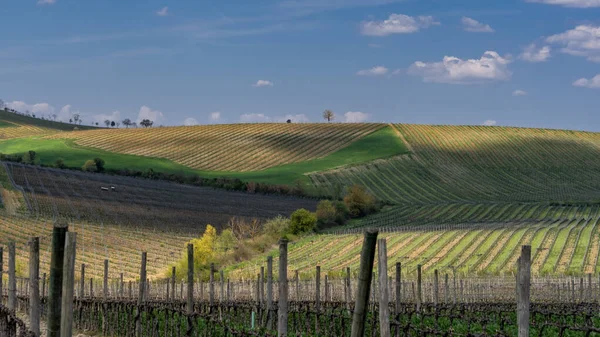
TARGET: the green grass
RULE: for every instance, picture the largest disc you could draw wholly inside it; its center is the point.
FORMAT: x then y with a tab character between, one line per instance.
5	124
380	144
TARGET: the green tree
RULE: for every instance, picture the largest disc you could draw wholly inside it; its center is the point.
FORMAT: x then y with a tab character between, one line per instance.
326	213
29	157
99	164
302	221
276	227
60	164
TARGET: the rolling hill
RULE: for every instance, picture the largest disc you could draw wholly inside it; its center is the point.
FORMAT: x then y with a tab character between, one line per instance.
461	197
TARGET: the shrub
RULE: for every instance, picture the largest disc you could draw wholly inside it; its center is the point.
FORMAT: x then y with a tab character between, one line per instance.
89	166
360	202
276	227
341	212
326	214
99	164
302	221
29	157
60	164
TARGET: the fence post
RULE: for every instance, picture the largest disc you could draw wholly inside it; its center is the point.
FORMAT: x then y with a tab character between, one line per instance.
446	288
269	291
318	289
141	291
105	283
282	321
12	277
326	295
121	291
91	287
384	315
398	286
34	285
523	299
261	284
1	273
297	279
68	286
82	282
436	290
212	286
589	297
419	288
190	289
56	278
367	258
173	284
222	276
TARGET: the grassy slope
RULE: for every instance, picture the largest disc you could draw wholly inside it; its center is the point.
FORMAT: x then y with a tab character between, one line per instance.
380	144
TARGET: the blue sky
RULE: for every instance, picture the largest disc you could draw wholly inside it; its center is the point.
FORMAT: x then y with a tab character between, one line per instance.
512	62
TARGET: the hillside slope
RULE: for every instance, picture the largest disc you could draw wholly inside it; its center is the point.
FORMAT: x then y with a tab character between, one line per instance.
13	125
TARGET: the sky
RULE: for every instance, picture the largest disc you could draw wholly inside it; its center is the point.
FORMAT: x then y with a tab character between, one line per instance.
531	63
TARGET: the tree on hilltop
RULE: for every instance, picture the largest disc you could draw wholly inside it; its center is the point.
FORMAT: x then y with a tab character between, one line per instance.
106	122
76	118
126	122
112	124
328	115
146	123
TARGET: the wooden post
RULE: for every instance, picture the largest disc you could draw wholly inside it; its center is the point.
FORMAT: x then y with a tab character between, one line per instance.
34	285
68	286
173	284
261	284
121	293
523	299
222	280
436	290
384	315
91	287
190	287
12	277
326	288
82	282
347	288
56	279
398	286
269	291
367	257
105	283
282	313
297	279
419	288
1	273
446	288
589	296
130	290
141	291
318	289
212	285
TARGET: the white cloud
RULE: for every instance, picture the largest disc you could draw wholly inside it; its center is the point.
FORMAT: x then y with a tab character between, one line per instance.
254	118
490	67
532	53
356	117
519	92
474	26
375	71
46	2
263	83
154	115
300	118
38	108
397	24
65	113
570	3
190	121
114	116
163	11
592	83
215	116
489	122
583	40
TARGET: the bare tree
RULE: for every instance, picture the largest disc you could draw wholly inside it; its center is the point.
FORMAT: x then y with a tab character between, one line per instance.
54	117
118	124
107	122
76	118
328	115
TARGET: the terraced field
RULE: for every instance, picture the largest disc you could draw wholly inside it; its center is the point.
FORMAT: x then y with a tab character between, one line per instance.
229	148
